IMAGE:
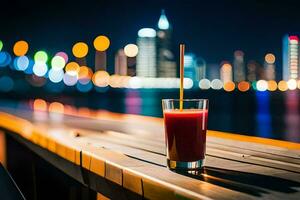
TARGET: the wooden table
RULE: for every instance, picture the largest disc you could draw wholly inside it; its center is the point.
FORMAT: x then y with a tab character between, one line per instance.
105	150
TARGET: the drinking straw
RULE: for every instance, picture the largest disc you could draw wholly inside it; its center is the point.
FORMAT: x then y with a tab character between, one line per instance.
182	46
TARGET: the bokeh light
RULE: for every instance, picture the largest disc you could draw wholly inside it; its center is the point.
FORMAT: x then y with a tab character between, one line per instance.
58	62
56	76
298	84
41	56
72	68
253	84
229	86
85	75
270	58
20	48
1	45
70	78
56	107
243	86
29	69
39	105
292	84
187	83
261	85
40	69
5	59
272	85
135	82
131	50
64	55
282	85
101	43
115	81
22	63
80	49
204	84
216	84
101	79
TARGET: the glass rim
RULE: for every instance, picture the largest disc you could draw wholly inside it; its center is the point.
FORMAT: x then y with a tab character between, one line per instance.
188	100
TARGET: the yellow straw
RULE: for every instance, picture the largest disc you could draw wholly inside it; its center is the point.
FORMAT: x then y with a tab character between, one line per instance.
181	76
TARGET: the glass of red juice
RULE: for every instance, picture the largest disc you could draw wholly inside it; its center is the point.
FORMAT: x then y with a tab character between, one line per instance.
185	132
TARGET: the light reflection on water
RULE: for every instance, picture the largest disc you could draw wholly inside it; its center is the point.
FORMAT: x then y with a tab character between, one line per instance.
292	118
264	114
263	117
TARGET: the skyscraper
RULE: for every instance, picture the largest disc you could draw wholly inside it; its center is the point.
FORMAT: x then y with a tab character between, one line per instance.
166	67
290	52
238	66
146	58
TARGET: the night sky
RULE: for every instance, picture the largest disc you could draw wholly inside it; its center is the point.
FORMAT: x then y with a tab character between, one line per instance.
211	29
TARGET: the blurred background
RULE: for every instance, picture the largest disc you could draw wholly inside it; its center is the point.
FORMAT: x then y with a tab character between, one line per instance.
123	56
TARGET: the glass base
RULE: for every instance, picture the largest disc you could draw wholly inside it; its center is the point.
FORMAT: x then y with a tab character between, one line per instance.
185	166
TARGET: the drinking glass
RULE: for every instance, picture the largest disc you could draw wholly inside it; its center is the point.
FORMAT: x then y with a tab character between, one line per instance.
185	132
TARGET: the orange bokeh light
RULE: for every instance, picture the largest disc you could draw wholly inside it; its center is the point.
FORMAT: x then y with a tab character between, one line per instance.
270	58
272	85
80	49
101	43
72	67
229	86
20	48
282	86
39	105
101	79
56	107
243	86
85	73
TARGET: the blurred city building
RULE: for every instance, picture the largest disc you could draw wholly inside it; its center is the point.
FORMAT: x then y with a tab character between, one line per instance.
190	66
269	66
146	58
238	66
121	63
166	66
226	72
252	71
200	69
213	71
290	57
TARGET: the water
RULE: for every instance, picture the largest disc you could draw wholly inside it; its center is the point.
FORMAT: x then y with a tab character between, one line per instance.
264	114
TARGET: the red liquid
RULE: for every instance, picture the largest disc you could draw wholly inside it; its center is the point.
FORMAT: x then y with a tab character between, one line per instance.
186	134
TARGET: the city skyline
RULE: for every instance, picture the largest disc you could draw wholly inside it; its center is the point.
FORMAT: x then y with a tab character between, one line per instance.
197	24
